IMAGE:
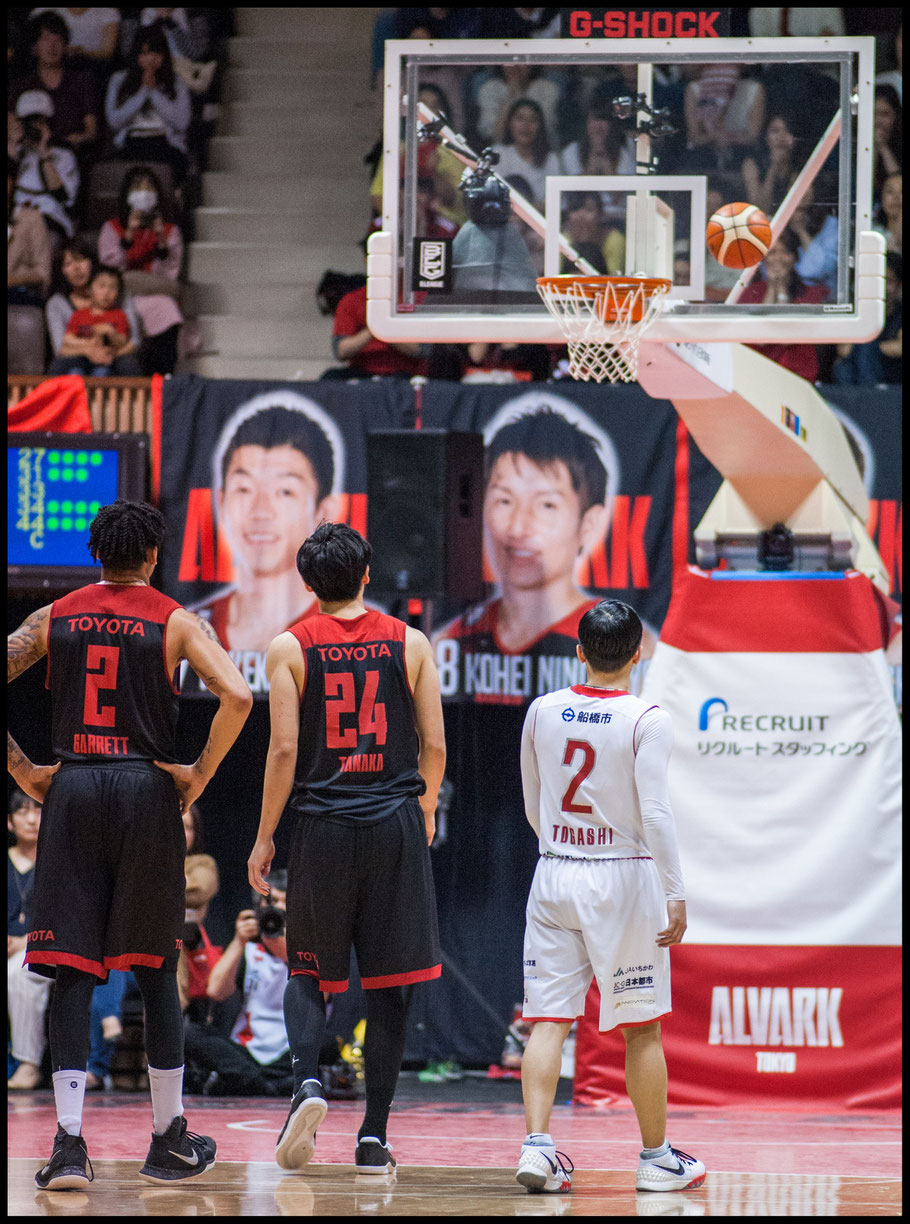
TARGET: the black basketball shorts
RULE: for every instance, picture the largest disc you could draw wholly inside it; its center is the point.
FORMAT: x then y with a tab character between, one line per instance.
109	881
369	886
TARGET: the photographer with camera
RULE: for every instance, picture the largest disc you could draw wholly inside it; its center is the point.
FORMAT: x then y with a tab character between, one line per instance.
143	241
45	175
255	1060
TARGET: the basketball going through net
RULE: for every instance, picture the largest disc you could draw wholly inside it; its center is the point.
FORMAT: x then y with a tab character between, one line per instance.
603	319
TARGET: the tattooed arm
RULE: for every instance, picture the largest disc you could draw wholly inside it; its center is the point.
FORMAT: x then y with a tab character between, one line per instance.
28	644
190	637
23	648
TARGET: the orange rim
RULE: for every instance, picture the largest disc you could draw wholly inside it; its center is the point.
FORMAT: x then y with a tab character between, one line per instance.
594	287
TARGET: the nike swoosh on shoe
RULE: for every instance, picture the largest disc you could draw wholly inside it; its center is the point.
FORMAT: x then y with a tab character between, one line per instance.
185	1159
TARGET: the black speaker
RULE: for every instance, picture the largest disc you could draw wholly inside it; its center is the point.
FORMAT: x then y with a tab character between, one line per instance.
425	513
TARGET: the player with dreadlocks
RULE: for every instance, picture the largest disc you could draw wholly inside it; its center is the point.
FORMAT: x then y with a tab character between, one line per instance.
109	880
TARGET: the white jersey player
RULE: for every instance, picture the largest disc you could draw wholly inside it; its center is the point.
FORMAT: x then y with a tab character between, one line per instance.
607	899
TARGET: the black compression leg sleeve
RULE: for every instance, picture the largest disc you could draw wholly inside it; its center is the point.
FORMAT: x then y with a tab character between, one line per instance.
304	1019
70	1019
387	1015
163	1017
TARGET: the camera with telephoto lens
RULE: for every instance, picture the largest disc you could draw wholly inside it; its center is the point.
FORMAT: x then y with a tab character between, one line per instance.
192	933
487	198
32	132
271	920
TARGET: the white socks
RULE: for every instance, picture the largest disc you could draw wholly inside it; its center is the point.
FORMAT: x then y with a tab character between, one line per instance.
656	1153
69	1095
167	1097
538	1139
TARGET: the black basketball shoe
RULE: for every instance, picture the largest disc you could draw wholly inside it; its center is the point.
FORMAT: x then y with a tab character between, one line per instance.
297	1141
178	1154
371	1156
66	1168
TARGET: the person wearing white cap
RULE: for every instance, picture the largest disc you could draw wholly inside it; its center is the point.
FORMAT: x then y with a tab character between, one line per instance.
47	176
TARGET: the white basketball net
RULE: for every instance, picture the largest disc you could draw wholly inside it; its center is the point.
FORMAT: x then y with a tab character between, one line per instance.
603	348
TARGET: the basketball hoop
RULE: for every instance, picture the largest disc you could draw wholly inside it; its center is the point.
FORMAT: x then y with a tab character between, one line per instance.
603	319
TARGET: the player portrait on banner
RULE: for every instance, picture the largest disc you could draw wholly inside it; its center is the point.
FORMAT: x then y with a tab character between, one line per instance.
551	478
277	472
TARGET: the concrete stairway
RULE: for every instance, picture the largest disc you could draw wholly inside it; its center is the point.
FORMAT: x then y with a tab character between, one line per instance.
286	195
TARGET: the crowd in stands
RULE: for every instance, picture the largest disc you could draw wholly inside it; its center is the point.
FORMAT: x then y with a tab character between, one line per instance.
748	128
109	114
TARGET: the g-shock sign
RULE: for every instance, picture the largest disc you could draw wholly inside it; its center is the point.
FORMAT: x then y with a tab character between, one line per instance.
645	23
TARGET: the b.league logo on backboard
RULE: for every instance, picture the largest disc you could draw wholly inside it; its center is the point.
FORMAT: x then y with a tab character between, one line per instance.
432	265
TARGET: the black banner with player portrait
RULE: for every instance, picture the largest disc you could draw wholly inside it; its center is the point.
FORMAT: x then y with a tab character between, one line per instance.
579	494
248	470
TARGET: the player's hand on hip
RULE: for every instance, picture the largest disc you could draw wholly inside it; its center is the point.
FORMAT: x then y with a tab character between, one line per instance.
37	781
190	783
676	926
259	864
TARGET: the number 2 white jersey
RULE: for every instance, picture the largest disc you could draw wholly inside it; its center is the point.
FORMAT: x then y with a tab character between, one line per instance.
594	774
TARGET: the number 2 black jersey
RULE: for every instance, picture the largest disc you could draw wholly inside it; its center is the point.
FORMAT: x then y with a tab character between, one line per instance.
357	750
107	673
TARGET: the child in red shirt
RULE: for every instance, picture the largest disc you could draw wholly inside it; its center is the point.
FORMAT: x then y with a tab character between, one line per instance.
97	338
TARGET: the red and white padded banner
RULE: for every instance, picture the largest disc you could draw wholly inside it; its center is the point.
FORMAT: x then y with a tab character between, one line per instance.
766	1025
785	782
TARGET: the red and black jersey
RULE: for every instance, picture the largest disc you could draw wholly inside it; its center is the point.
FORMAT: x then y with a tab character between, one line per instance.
357	750
107	673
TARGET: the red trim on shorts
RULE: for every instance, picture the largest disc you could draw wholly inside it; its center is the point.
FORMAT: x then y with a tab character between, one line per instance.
67	958
401	979
639	1023
552	1019
133	958
333	987
303	973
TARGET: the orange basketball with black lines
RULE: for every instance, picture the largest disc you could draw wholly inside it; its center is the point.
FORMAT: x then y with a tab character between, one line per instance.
738	235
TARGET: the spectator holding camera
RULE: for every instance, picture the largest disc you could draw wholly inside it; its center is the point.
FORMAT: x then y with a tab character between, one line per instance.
144	241
45	174
255	1060
26	992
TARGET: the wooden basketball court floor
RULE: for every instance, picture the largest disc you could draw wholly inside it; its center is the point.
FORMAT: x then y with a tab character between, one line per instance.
459	1159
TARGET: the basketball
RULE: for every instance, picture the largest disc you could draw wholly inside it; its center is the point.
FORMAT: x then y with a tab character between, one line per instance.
738	235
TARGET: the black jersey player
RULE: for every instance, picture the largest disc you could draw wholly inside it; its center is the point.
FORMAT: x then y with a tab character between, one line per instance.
357	744
109	880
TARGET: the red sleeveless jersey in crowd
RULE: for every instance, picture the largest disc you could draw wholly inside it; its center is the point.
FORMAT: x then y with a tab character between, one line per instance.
358	747
113	699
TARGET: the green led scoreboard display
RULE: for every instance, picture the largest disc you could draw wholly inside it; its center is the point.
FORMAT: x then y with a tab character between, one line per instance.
56	484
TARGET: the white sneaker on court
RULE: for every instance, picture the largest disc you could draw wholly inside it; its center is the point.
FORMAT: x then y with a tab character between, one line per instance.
675	1170
541	1169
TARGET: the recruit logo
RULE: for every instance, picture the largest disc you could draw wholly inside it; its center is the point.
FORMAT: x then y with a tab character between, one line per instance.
714	715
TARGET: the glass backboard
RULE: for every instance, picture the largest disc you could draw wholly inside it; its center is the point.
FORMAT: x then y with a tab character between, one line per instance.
506	161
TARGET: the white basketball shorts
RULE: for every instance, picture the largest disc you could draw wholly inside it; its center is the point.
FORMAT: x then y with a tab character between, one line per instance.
596	918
